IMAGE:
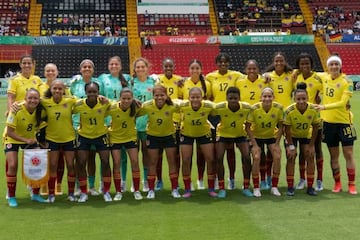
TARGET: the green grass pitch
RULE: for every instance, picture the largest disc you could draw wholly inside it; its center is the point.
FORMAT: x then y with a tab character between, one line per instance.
327	216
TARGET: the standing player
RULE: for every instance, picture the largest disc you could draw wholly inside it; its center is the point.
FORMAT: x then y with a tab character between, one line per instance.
122	134
230	130
21	82
111	85
20	131
59	110
197	80
280	73
77	89
171	81
142	86
301	127
51	72
195	126
160	134
304	63
337	91
264	127
251	87
220	80
92	132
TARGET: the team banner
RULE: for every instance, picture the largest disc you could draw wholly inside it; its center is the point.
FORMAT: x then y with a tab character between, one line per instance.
19	40
184	40
80	40
355	38
267	39
35	171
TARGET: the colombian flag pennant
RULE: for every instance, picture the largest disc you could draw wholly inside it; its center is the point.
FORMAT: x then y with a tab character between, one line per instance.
35	171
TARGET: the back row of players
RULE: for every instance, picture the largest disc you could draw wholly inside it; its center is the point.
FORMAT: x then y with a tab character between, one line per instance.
222	109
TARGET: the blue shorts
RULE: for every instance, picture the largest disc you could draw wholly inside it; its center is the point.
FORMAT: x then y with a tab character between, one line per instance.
185	140
153	142
100	143
262	142
334	133
299	140
14	147
67	146
126	145
231	140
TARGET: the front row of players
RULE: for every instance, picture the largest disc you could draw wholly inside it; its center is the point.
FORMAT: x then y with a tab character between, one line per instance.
249	127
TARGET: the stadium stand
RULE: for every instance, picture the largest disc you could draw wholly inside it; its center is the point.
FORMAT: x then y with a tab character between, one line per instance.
335	15
263	54
13	17
182	55
349	53
80	17
175	24
259	16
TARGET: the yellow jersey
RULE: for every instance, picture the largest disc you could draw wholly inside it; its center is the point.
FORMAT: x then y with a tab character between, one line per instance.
24	124
250	92
220	83
172	89
264	124
18	85
195	123
336	93
283	87
92	120
232	123
59	128
313	85
122	128
171	85
188	84
301	123
160	123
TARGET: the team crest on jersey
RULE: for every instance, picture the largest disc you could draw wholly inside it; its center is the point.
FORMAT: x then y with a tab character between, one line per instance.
9	146
241	115
149	89
202	114
229	78
99	111
65	105
309	117
167	113
286	79
338	85
260	86
311	85
225	115
273	115
11	119
34	82
295	119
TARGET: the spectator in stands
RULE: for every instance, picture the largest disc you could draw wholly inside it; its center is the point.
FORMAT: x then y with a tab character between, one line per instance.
148	42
